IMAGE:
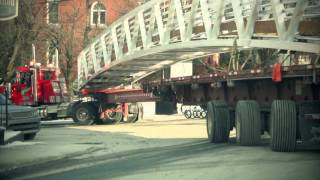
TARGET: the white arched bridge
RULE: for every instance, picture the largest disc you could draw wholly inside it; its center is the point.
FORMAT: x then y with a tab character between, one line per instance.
162	32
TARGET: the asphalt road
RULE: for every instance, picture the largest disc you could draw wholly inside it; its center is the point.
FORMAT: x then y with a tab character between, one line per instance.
187	155
197	160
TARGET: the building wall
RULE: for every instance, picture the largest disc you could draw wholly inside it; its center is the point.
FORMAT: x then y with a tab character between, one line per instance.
75	20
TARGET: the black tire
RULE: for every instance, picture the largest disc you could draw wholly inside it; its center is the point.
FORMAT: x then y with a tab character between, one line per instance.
140	114
29	136
187	114
203	114
84	114
114	118
196	113
137	115
133	115
218	121
248	123
133	118
283	126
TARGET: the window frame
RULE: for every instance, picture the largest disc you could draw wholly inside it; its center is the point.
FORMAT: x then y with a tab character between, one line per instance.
48	11
98	11
52	47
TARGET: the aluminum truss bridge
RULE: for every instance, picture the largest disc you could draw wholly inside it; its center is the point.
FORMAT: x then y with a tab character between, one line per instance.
163	32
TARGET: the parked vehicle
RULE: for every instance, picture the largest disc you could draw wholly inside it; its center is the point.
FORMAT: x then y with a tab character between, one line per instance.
20	118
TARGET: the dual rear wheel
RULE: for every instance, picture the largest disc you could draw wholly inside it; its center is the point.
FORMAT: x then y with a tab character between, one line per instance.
248	123
86	114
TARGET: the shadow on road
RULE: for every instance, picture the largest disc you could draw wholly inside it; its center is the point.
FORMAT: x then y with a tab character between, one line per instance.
191	156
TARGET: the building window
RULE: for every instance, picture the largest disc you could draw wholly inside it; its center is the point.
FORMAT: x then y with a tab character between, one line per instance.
98	14
52	51
53	11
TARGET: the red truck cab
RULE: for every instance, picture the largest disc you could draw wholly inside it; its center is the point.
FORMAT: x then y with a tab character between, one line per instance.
49	89
39	86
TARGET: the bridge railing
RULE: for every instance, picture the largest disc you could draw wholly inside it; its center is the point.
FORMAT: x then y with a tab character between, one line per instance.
162	22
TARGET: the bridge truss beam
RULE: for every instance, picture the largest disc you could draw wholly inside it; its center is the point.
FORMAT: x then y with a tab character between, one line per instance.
163	32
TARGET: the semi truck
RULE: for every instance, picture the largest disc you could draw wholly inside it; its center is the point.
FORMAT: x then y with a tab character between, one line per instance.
48	93
264	77
40	87
43	88
279	99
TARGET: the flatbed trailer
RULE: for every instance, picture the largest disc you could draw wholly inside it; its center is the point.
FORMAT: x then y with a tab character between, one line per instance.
253	103
250	100
240	92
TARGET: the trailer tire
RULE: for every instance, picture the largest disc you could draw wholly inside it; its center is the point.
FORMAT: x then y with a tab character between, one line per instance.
114	119
248	123
140	114
283	126
137	114
133	118
218	121
84	114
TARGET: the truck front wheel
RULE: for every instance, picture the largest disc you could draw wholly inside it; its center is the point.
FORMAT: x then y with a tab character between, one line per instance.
84	114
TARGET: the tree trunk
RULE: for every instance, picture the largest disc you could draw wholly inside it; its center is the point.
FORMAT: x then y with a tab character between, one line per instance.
10	68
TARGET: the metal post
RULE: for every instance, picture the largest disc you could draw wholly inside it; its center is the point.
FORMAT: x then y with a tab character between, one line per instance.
56	63
6	106
35	79
1	117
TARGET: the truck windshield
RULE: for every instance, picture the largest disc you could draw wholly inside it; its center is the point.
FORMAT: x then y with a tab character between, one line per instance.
3	100
24	78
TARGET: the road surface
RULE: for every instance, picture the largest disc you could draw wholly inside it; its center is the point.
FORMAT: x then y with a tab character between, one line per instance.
161	147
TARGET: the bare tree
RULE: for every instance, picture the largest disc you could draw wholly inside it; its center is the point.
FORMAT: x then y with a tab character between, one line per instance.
70	37
17	35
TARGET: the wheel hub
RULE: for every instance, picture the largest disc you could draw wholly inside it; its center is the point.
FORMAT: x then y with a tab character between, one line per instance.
82	114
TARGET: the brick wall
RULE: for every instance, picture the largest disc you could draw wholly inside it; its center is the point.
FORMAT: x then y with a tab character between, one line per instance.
75	19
